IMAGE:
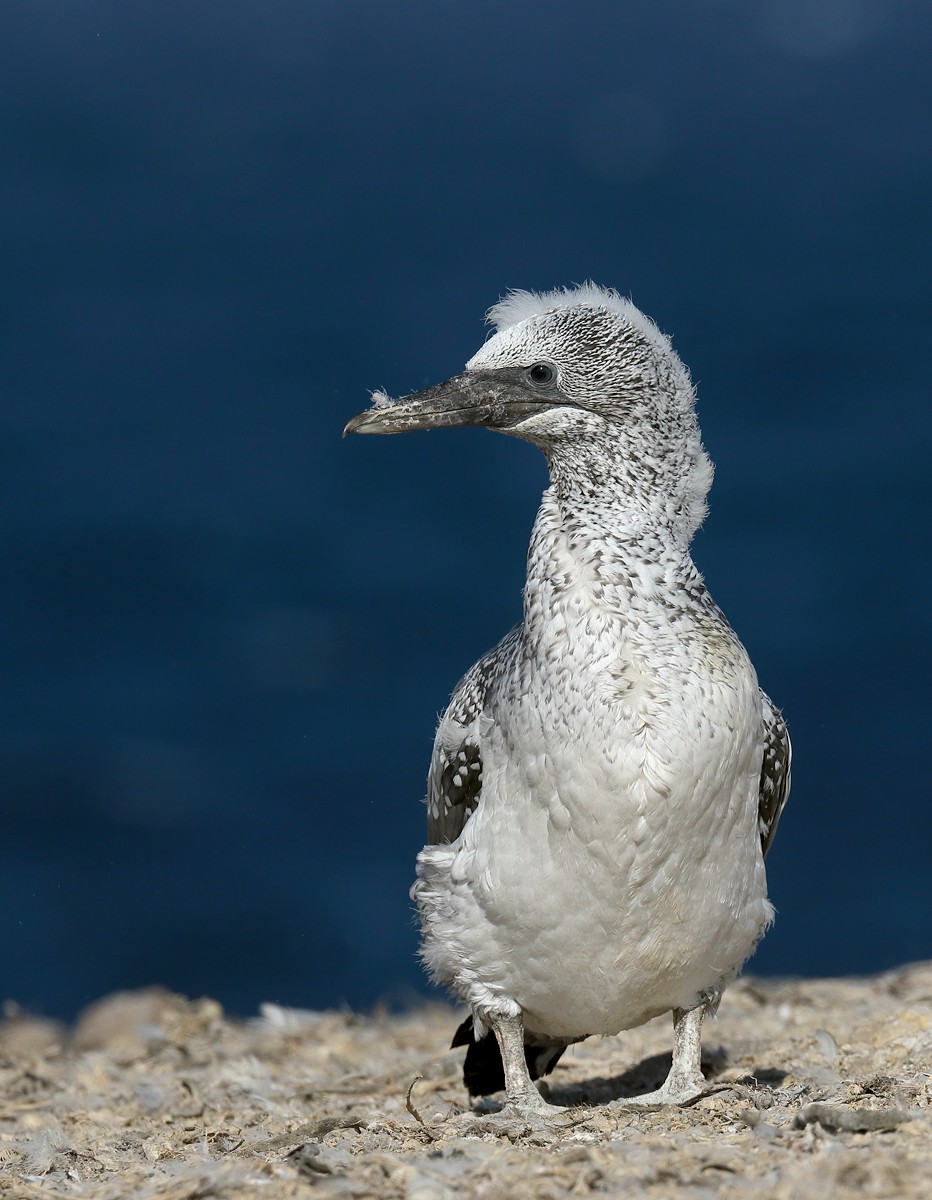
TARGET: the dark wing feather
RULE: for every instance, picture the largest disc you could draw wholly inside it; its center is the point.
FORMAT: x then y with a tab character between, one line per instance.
454	785
775	772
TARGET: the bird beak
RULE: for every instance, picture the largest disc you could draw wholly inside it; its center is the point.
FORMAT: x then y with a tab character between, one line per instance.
475	398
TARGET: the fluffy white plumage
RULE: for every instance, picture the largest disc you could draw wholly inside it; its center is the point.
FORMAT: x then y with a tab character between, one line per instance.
606	781
519	305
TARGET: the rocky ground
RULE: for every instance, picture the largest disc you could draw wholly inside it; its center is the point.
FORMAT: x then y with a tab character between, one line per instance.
161	1098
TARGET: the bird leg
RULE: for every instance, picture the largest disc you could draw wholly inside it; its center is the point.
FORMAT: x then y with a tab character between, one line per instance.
685	1081
520	1093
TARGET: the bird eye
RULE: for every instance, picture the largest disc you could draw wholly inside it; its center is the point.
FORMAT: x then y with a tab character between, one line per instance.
541	373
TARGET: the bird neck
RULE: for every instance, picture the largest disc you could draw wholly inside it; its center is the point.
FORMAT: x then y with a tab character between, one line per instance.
624	493
605	542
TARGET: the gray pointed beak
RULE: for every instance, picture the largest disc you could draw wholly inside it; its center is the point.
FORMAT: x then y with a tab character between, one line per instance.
474	398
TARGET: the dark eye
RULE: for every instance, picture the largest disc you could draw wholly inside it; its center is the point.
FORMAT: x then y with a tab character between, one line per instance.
541	373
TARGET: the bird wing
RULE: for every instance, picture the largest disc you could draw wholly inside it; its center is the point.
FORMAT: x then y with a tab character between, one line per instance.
775	772
454	785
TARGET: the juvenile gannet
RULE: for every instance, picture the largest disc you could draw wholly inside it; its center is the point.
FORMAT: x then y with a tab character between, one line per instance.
606	782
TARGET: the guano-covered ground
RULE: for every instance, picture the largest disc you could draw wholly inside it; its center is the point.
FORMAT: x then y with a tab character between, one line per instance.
156	1097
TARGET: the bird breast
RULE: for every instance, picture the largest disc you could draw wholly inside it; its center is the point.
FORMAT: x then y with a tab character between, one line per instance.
612	869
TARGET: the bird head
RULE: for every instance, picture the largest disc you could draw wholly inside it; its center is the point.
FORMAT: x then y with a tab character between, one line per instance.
589	379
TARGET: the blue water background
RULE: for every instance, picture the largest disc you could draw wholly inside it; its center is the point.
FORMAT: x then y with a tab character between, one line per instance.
226	635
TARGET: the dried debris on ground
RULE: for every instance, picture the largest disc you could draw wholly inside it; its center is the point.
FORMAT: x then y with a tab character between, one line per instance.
160	1098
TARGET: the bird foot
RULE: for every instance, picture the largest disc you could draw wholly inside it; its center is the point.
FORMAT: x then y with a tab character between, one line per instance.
529	1110
676	1090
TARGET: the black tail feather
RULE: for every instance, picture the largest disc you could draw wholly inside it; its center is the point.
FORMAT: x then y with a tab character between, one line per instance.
483	1072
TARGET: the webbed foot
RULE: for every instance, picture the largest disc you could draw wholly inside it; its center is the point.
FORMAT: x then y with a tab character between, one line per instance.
685	1083
676	1091
523	1114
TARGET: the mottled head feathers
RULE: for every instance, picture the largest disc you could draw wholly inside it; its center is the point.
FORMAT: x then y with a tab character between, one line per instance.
631	411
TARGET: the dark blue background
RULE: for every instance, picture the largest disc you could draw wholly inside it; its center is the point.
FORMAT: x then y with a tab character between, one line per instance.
226	634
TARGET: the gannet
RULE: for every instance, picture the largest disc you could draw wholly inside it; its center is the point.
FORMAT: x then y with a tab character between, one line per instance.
606	781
